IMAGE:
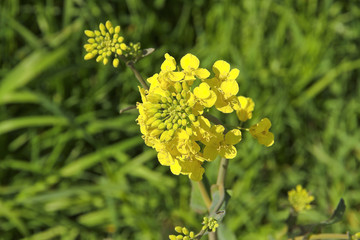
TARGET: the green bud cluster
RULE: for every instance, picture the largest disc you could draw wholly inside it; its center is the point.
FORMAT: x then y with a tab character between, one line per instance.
210	223
185	234
132	51
171	112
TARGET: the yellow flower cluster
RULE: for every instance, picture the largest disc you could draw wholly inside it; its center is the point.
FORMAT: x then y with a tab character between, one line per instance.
300	199
185	234
172	116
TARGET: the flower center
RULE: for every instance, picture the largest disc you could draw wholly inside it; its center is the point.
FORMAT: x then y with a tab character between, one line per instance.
170	112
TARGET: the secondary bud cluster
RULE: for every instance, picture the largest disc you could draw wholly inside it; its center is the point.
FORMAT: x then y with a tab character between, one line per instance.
107	42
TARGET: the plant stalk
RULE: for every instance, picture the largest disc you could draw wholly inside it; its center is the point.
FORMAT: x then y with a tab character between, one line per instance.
204	194
130	64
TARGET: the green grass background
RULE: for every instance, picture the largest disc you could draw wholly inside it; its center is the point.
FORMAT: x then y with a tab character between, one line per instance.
71	167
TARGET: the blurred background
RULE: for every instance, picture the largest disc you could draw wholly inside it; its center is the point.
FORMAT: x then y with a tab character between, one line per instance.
72	167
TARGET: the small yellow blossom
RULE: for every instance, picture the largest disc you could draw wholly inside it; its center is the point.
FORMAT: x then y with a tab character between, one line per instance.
168	72
104	42
225	86
205	95
222	145
260	131
190	64
245	108
300	199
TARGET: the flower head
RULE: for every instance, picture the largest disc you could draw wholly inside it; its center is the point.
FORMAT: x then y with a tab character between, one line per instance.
225	86
300	199
104	43
245	108
222	144
190	64
172	118
260	131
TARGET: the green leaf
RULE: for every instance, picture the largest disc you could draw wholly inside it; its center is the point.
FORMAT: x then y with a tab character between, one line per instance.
197	203
337	215
12	216
85	162
216	198
29	68
33	121
225	233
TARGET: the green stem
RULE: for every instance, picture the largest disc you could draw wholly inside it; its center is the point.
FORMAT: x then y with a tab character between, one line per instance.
204	194
127	109
213	119
220	182
212	236
130	64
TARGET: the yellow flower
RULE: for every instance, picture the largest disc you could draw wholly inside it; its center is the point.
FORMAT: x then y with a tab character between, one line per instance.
205	95
220	144
222	71
300	199
260	131
104	42
190	64
168	72
245	108
225	86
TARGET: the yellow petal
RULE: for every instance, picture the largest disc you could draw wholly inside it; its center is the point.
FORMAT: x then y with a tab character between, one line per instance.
221	69
169	64
189	62
202	73
265	123
233	74
175	167
210	101
210	152
230	88
165	158
233	137
228	151
202	91
266	139
176	76
197	173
